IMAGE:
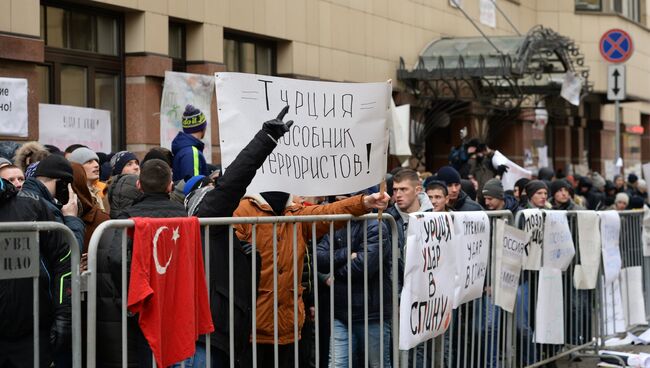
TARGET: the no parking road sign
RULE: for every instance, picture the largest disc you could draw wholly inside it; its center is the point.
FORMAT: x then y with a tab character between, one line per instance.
616	46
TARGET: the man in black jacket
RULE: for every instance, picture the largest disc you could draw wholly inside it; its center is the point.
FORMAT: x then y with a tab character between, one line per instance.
458	199
16	317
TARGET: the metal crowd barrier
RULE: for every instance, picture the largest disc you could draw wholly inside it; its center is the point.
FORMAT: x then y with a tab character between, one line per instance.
256	222
35	228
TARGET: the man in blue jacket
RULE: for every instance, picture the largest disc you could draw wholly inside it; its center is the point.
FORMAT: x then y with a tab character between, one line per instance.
187	147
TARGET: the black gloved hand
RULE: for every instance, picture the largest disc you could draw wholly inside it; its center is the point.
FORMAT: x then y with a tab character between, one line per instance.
502	169
276	127
61	335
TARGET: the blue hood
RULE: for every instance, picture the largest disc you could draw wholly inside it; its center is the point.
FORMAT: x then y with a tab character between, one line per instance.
183	140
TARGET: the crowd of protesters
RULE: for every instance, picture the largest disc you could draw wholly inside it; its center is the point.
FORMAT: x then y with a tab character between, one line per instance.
82	188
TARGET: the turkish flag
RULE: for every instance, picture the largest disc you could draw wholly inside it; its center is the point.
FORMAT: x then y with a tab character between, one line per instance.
167	286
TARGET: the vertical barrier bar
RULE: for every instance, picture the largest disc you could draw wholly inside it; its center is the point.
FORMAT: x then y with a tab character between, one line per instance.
316	303
275	296
206	261
124	302
254	294
331	279
296	317
365	294
35	315
231	298
349	283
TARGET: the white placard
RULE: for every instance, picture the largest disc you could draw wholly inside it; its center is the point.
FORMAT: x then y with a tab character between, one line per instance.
558	247
427	296
13	107
632	295
610	227
515	172
179	90
337	144
646	231
534	227
19	256
646	171
399	131
472	245
585	274
542	154
572	87
488	13
612	310
62	126
549	313
510	244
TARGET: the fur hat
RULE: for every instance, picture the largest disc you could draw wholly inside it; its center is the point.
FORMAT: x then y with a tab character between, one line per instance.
29	153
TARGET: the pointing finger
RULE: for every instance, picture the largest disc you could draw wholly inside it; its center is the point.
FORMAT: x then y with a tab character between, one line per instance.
289	124
283	112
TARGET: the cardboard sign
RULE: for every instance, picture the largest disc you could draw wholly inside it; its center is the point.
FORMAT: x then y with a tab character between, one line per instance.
515	172
472	248
13	107
337	144
534	227
509	249
585	274
62	126
549	313
19	255
179	90
558	242
610	227
427	296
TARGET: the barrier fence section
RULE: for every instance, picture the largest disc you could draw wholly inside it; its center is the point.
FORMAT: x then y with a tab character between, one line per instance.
384	331
14	234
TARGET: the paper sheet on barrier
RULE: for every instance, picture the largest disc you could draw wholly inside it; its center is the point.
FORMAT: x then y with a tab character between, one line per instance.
534	226
646	231
558	243
632	295
509	250
549	313
472	246
585	274
610	227
612	310
515	172
427	296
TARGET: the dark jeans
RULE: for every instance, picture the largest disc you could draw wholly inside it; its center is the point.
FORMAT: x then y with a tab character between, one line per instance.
19	353
266	355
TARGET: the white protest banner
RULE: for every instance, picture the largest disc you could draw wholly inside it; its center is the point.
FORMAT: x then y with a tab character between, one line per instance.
610	227
542	154
549	315
488	13
337	144
646	231
646	171
13	107
472	248
632	295
612	310
558	247
399	131
61	126
585	274
515	172
572	87
427	296
534	227
179	90
510	245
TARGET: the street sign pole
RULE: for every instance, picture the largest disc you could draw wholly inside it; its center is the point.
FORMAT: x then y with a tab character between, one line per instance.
617	105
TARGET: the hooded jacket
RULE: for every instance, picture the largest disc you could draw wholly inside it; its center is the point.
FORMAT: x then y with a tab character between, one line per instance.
29	153
511	204
188	157
464	203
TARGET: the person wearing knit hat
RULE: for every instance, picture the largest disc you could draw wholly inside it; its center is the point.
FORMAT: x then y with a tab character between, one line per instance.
4	162
561	198
496	199
160	153
458	199
125	162
519	190
437	192
195	183
90	162
621	202
537	192
187	146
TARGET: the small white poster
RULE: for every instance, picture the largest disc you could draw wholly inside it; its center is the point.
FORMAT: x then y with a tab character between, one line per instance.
179	90
558	243
646	171
399	131
515	172
646	231
337	144
542	153
610	227
488	13
572	87
427	297
472	245
534	227
612	310
632	295
61	126
510	244
13	107
585	274
549	313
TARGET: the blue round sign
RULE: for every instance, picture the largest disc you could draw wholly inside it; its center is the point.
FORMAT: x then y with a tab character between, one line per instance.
616	46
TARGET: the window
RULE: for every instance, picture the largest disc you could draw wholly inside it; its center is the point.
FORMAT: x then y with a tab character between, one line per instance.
248	55
627	8
588	5
177	46
83	62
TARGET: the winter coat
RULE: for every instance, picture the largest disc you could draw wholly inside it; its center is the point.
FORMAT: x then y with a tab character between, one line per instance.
188	157
570	205
482	171
256	206
75	224
511	204
341	245
16	297
90	212
464	203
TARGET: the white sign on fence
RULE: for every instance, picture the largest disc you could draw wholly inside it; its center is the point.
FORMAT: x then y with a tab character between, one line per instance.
534	226
549	315
13	107
62	125
427	296
610	227
585	274
612	308
510	244
19	257
515	172
472	246
558	242
337	144
632	295
179	90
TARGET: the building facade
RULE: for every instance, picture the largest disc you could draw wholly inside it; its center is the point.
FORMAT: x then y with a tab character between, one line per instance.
112	54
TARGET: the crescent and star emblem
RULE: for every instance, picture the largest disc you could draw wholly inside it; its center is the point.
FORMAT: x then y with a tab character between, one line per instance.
175	236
